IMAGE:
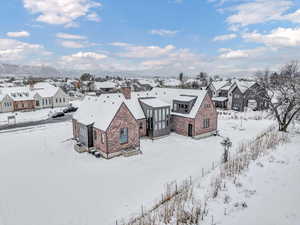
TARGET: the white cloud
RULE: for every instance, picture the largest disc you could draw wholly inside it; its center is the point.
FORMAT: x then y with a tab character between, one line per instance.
163	32
60	12
136	51
259	11
293	17
13	50
280	37
93	17
239	54
225	37
72	44
84	56
70	36
18	34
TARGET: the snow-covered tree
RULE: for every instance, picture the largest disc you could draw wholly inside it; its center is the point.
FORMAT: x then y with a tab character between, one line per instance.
282	93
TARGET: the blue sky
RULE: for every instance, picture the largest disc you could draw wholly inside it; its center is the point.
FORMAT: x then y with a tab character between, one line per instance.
157	37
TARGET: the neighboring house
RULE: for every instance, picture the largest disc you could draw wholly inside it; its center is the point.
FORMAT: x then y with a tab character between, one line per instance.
49	96
6	103
218	90
113	123
105	86
22	97
243	94
41	95
171	83
23	101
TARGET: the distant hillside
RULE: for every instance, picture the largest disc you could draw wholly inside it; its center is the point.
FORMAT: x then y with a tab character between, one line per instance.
25	70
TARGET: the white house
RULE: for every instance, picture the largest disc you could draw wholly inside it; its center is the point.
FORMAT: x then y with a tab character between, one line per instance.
41	95
48	96
6	103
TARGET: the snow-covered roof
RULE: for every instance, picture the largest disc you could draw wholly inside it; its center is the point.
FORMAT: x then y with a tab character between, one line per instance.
105	85
18	93
152	83
219	99
101	110
97	111
2	96
154	102
172	82
220	84
48	92
184	98
244	85
43	85
169	94
44	89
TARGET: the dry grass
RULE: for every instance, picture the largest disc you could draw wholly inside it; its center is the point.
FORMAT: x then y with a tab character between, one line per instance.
178	205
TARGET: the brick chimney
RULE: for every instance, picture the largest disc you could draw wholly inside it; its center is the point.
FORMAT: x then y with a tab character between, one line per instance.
126	91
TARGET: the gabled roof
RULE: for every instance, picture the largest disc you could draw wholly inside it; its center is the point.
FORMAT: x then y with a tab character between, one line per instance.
172	82
244	85
48	92
104	85
99	113
220	84
101	110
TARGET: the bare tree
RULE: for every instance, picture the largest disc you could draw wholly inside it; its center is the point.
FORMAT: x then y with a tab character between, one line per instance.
282	93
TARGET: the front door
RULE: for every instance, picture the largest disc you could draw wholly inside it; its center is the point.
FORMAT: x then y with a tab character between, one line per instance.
190	130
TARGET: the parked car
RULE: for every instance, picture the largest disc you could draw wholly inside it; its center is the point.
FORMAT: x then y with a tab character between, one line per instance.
58	114
70	109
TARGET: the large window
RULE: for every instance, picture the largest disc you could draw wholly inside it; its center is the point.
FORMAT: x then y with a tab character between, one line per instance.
123	135
206	123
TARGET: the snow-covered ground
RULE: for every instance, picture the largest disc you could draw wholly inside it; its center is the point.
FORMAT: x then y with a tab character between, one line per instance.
32	116
44	181
270	189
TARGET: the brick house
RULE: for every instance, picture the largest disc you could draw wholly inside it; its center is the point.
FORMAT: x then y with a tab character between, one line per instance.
113	123
109	124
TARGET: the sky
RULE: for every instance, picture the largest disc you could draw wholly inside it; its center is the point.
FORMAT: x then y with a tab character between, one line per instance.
157	37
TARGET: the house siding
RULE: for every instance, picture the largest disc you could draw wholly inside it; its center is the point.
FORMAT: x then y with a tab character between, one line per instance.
24	105
237	102
143	130
122	119
206	113
100	140
75	129
180	125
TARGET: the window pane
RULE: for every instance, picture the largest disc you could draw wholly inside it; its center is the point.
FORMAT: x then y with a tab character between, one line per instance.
163	114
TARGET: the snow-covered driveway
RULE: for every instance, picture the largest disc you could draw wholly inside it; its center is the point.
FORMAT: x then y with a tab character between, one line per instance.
44	181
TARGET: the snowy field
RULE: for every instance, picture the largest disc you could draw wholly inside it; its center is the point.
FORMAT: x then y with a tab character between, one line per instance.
32	116
270	189
44	181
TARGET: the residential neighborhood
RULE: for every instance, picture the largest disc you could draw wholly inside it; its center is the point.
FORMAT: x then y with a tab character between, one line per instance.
137	112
